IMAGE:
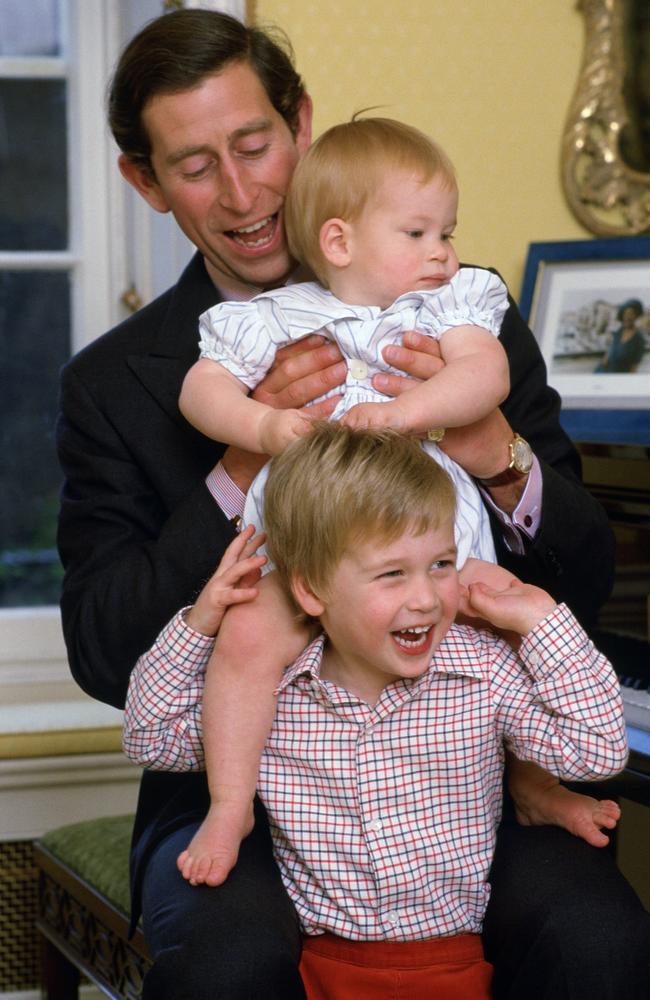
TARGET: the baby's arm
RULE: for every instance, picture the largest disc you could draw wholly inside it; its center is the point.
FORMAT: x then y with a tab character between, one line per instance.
473	382
217	404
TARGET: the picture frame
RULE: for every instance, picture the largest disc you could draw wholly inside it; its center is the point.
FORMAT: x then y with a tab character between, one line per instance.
574	295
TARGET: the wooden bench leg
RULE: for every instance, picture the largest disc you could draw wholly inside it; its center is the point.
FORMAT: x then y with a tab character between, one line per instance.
59	977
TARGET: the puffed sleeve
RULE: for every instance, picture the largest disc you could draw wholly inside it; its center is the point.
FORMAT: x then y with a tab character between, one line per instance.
243	337
473	297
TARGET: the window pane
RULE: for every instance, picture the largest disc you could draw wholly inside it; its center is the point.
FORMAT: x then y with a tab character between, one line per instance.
34	343
30	28
34	188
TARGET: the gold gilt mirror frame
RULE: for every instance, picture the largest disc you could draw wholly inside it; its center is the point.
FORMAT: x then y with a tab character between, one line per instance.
606	142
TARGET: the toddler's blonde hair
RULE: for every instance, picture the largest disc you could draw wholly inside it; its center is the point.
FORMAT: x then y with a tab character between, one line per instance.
337	487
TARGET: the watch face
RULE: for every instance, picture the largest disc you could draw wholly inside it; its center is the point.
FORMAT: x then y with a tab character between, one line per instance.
522	457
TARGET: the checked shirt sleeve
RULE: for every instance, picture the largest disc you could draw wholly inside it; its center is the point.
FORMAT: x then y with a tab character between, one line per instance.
565	711
162	717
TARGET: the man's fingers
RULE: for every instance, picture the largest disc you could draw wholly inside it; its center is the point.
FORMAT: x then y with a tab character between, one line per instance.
296	366
304	390
324	409
417	356
391	385
296	347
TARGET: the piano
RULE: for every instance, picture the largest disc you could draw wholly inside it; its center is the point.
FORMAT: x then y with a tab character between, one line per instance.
618	475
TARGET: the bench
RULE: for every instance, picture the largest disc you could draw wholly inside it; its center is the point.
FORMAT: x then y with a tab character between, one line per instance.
83	911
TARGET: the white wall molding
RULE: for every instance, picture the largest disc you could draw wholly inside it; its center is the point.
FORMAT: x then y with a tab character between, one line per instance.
44	793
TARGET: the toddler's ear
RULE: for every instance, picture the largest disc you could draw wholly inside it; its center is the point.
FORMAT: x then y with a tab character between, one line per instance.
335	242
305	597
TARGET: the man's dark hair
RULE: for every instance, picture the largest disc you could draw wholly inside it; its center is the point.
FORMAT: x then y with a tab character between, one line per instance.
176	52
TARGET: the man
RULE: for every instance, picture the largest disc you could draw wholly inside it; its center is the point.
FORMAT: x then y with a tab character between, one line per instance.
211	119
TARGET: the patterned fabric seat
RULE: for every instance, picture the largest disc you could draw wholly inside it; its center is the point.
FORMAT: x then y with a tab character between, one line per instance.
83	910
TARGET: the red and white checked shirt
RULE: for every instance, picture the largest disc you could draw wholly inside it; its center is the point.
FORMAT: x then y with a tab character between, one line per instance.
384	818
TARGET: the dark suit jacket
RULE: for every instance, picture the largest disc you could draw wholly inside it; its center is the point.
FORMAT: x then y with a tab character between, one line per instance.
139	533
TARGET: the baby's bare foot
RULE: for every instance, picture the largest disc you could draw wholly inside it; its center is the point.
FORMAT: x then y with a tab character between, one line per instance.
212	853
581	815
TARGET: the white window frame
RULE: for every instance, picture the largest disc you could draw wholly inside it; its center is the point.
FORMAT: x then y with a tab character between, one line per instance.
32	651
116	241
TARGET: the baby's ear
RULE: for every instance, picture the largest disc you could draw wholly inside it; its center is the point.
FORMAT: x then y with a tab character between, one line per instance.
335	242
305	597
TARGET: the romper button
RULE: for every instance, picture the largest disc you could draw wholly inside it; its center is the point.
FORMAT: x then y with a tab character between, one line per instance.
358	369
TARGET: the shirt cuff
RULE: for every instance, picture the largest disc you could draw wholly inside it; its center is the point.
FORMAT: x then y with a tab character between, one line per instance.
226	493
182	645
523	524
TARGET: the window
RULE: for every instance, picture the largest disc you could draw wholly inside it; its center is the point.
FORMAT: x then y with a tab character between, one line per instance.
73	239
59	223
53	258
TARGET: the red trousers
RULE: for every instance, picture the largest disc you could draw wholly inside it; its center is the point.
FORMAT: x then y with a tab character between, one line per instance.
453	968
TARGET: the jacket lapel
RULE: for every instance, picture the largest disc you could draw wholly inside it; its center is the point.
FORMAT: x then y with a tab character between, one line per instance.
175	341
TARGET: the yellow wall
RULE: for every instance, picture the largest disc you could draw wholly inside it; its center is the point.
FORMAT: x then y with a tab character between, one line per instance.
490	79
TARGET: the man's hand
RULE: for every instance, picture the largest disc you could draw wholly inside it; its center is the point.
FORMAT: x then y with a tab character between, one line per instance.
418	357
480	448
300	373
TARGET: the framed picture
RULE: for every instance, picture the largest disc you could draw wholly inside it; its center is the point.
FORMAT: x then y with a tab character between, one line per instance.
588	304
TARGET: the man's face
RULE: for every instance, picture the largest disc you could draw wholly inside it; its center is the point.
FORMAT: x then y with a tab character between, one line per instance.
223	158
388	607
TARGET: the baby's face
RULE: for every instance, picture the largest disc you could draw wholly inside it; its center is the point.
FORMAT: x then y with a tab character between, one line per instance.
402	240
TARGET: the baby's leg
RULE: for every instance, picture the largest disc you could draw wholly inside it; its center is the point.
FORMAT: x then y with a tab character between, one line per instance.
538	796
256	641
540	799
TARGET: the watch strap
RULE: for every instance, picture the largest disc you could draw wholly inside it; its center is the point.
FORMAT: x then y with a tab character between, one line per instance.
509	475
514	470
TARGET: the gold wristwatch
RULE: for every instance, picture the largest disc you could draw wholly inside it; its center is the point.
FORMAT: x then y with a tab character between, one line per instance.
521	460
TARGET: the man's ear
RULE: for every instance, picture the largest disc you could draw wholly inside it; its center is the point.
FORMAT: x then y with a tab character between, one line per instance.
305	597
334	238
143	182
303	128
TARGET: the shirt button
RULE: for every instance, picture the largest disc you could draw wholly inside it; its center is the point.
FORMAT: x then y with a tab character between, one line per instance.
358	369
375	825
528	520
392	918
534	659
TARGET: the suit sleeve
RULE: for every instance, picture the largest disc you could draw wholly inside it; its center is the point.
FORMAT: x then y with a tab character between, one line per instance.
133	549
572	555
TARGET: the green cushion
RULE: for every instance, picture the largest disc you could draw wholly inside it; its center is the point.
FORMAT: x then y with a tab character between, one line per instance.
98	851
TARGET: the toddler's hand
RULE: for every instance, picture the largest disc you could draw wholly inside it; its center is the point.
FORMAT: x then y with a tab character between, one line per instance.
518	607
233	582
366	416
278	428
